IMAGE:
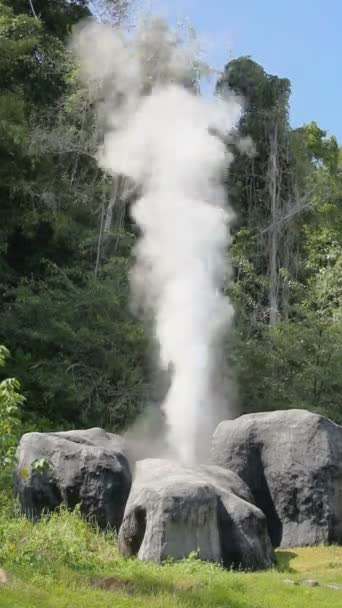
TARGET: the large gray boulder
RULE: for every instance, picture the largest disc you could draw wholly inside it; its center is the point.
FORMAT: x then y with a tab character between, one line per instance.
173	510
88	467
292	462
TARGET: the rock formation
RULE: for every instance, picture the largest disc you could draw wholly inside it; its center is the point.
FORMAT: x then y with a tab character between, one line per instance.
89	468
174	510
275	478
292	462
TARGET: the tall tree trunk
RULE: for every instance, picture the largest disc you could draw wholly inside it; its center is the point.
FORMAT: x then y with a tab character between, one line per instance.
33	10
274	233
116	191
99	241
285	282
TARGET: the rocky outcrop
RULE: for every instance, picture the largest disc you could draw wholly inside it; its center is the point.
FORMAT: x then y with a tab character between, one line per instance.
174	510
89	468
292	462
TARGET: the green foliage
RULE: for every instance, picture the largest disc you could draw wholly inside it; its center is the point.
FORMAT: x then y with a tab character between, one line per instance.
56	562
83	366
77	350
11	401
32	61
265	98
294	361
298	362
313	144
59	540
41	466
57	16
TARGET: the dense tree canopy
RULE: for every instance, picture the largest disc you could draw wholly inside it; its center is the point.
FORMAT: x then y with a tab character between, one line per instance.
65	247
74	345
287	252
56	16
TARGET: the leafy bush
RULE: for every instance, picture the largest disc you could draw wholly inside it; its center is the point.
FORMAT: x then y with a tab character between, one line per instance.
62	539
10	428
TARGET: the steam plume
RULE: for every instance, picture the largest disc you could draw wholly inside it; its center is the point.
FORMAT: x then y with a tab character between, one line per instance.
165	138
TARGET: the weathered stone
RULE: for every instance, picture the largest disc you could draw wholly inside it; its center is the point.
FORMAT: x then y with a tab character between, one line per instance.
174	510
292	461
75	467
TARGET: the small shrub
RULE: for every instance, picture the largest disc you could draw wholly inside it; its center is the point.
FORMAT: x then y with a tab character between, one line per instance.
10	430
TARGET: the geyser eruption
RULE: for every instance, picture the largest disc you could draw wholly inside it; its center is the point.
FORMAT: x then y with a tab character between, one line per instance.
167	139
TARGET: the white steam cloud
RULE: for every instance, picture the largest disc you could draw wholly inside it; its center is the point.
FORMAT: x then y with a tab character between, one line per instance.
167	139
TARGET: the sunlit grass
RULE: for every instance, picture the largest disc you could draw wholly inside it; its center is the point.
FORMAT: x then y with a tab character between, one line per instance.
55	563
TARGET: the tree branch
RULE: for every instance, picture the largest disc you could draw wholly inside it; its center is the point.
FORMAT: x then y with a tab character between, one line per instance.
32	9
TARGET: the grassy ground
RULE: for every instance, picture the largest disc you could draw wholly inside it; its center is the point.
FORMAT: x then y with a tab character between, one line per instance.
60	563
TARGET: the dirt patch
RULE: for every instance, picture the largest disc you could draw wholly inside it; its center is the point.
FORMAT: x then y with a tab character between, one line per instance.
112	584
3	577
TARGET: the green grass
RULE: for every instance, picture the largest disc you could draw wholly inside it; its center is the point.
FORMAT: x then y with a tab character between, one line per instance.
52	564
